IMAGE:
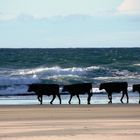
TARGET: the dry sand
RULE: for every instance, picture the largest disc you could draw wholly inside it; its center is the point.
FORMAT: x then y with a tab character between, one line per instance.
70	122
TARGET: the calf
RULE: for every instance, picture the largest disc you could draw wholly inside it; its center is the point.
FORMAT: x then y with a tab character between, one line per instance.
137	88
76	89
45	89
111	87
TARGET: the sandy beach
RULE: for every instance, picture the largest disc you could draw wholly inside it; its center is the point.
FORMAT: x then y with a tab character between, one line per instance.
66	122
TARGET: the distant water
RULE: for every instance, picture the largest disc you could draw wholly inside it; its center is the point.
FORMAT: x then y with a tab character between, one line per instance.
19	67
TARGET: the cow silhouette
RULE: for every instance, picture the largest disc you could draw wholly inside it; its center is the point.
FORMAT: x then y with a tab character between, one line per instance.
45	89
137	88
77	89
111	87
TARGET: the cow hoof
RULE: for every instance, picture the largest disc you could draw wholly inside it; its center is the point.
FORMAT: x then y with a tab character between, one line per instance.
121	101
110	102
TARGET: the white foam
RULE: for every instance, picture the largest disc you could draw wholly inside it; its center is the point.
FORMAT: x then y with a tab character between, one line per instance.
107	78
27	76
96	90
9	81
136	64
55	70
12	77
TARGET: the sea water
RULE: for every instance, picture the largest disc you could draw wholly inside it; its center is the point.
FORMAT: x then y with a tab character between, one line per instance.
20	67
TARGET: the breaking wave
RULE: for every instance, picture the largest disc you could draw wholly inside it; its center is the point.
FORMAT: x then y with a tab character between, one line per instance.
15	81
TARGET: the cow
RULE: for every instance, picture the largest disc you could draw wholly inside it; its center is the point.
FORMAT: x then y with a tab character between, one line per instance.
137	88
45	89
76	89
111	87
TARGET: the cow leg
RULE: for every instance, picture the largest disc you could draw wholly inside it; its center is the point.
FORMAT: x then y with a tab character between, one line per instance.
89	98
39	97
122	97
127	97
70	99
139	97
54	96
59	98
78	99
110	97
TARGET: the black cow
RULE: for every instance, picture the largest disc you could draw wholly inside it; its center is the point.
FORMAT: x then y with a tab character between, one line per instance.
76	89
137	88
111	87
45	89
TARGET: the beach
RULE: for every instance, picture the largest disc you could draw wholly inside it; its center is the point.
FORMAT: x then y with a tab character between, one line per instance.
66	122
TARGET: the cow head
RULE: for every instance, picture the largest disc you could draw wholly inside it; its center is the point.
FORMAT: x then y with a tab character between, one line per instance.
101	86
30	88
135	87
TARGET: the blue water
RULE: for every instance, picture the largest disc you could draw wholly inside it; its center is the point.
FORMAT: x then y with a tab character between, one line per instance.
20	67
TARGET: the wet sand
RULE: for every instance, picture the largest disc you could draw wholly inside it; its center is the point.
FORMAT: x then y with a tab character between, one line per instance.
70	122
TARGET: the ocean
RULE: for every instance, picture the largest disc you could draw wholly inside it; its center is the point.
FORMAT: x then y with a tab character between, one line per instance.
20	67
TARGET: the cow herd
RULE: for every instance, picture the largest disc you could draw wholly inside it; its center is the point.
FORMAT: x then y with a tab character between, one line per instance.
82	88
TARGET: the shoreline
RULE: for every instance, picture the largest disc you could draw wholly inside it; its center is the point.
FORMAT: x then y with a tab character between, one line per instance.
66	122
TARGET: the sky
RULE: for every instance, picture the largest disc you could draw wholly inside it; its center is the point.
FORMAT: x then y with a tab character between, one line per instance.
69	23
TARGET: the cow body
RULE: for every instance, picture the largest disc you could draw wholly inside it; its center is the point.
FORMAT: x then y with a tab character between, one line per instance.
45	89
111	87
76	89
137	88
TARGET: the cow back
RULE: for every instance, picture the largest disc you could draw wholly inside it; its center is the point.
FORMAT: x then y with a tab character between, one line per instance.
48	89
78	88
114	86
